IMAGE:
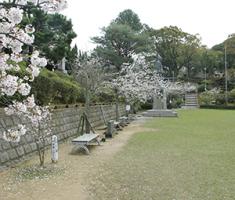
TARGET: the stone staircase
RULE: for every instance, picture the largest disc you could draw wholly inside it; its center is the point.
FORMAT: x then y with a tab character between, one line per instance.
191	101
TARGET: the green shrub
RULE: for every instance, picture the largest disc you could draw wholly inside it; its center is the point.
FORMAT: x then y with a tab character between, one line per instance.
147	105
56	88
174	101
49	87
232	96
104	95
220	99
207	98
228	107
212	98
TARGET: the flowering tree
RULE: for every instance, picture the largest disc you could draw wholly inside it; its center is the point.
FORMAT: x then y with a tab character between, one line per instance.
139	81
89	74
16	46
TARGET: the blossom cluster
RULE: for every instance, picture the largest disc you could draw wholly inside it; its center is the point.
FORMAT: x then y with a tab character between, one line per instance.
139	81
180	87
13	135
38	116
46	5
13	38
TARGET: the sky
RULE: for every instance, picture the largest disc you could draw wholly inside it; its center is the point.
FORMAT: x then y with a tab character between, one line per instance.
213	20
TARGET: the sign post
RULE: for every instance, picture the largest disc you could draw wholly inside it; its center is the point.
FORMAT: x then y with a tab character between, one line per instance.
54	149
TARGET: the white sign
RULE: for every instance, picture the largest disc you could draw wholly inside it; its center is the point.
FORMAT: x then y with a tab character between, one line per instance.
54	149
128	107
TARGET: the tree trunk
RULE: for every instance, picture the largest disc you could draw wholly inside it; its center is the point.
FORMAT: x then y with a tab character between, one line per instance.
41	152
87	110
116	104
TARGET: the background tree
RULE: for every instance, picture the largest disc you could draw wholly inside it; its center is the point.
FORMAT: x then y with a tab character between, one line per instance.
89	75
72	57
53	35
187	52
175	47
229	44
129	18
121	39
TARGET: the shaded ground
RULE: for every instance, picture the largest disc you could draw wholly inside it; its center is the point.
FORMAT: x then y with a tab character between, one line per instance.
66	180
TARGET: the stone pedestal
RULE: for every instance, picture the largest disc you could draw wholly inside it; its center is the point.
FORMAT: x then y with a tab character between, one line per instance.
160	113
157	103
160	108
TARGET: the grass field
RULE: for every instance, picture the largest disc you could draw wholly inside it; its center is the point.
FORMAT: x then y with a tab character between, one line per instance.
190	157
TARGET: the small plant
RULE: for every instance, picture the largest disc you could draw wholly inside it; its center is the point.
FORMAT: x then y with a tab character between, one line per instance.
35	172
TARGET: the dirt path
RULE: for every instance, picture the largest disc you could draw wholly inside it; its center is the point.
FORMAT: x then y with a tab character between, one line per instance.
71	183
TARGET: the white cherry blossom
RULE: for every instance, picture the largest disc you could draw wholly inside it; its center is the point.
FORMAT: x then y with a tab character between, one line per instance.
13	36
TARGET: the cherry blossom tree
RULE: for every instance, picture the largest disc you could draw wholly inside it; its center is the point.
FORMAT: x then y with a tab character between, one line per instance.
15	39
140	82
89	75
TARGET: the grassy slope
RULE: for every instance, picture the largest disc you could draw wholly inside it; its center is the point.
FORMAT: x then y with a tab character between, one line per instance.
190	157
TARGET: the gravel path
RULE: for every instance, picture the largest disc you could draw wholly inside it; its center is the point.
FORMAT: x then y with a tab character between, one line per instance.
66	180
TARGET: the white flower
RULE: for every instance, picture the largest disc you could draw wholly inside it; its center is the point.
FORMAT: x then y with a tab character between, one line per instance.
9	111
9	85
15	15
16	58
14	37
43	62
36	61
13	135
22	130
35	71
30	102
24	89
20	107
21	2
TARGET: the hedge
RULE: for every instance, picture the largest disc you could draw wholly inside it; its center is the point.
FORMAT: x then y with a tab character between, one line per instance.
56	88
226	107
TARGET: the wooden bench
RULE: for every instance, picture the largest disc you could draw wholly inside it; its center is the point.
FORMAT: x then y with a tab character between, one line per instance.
85	140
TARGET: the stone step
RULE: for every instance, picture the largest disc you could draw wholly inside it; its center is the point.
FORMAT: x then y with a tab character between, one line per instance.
189	107
191	101
191	97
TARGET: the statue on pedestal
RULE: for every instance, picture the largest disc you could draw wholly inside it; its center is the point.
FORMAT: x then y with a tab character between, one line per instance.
160	99
61	66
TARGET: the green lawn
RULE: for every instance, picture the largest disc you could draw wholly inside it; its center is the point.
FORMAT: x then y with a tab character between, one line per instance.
190	157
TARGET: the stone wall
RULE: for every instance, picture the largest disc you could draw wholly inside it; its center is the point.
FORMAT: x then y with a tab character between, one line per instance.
64	125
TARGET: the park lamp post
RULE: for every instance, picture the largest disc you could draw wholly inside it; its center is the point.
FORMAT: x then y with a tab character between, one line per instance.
226	74
205	80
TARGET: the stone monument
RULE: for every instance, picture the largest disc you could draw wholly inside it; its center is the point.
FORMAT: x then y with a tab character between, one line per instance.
160	100
61	66
160	107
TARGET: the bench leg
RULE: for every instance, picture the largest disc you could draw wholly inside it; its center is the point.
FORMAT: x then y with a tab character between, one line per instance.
98	141
87	152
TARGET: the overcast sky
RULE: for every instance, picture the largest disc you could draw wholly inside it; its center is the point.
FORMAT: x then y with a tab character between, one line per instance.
212	19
